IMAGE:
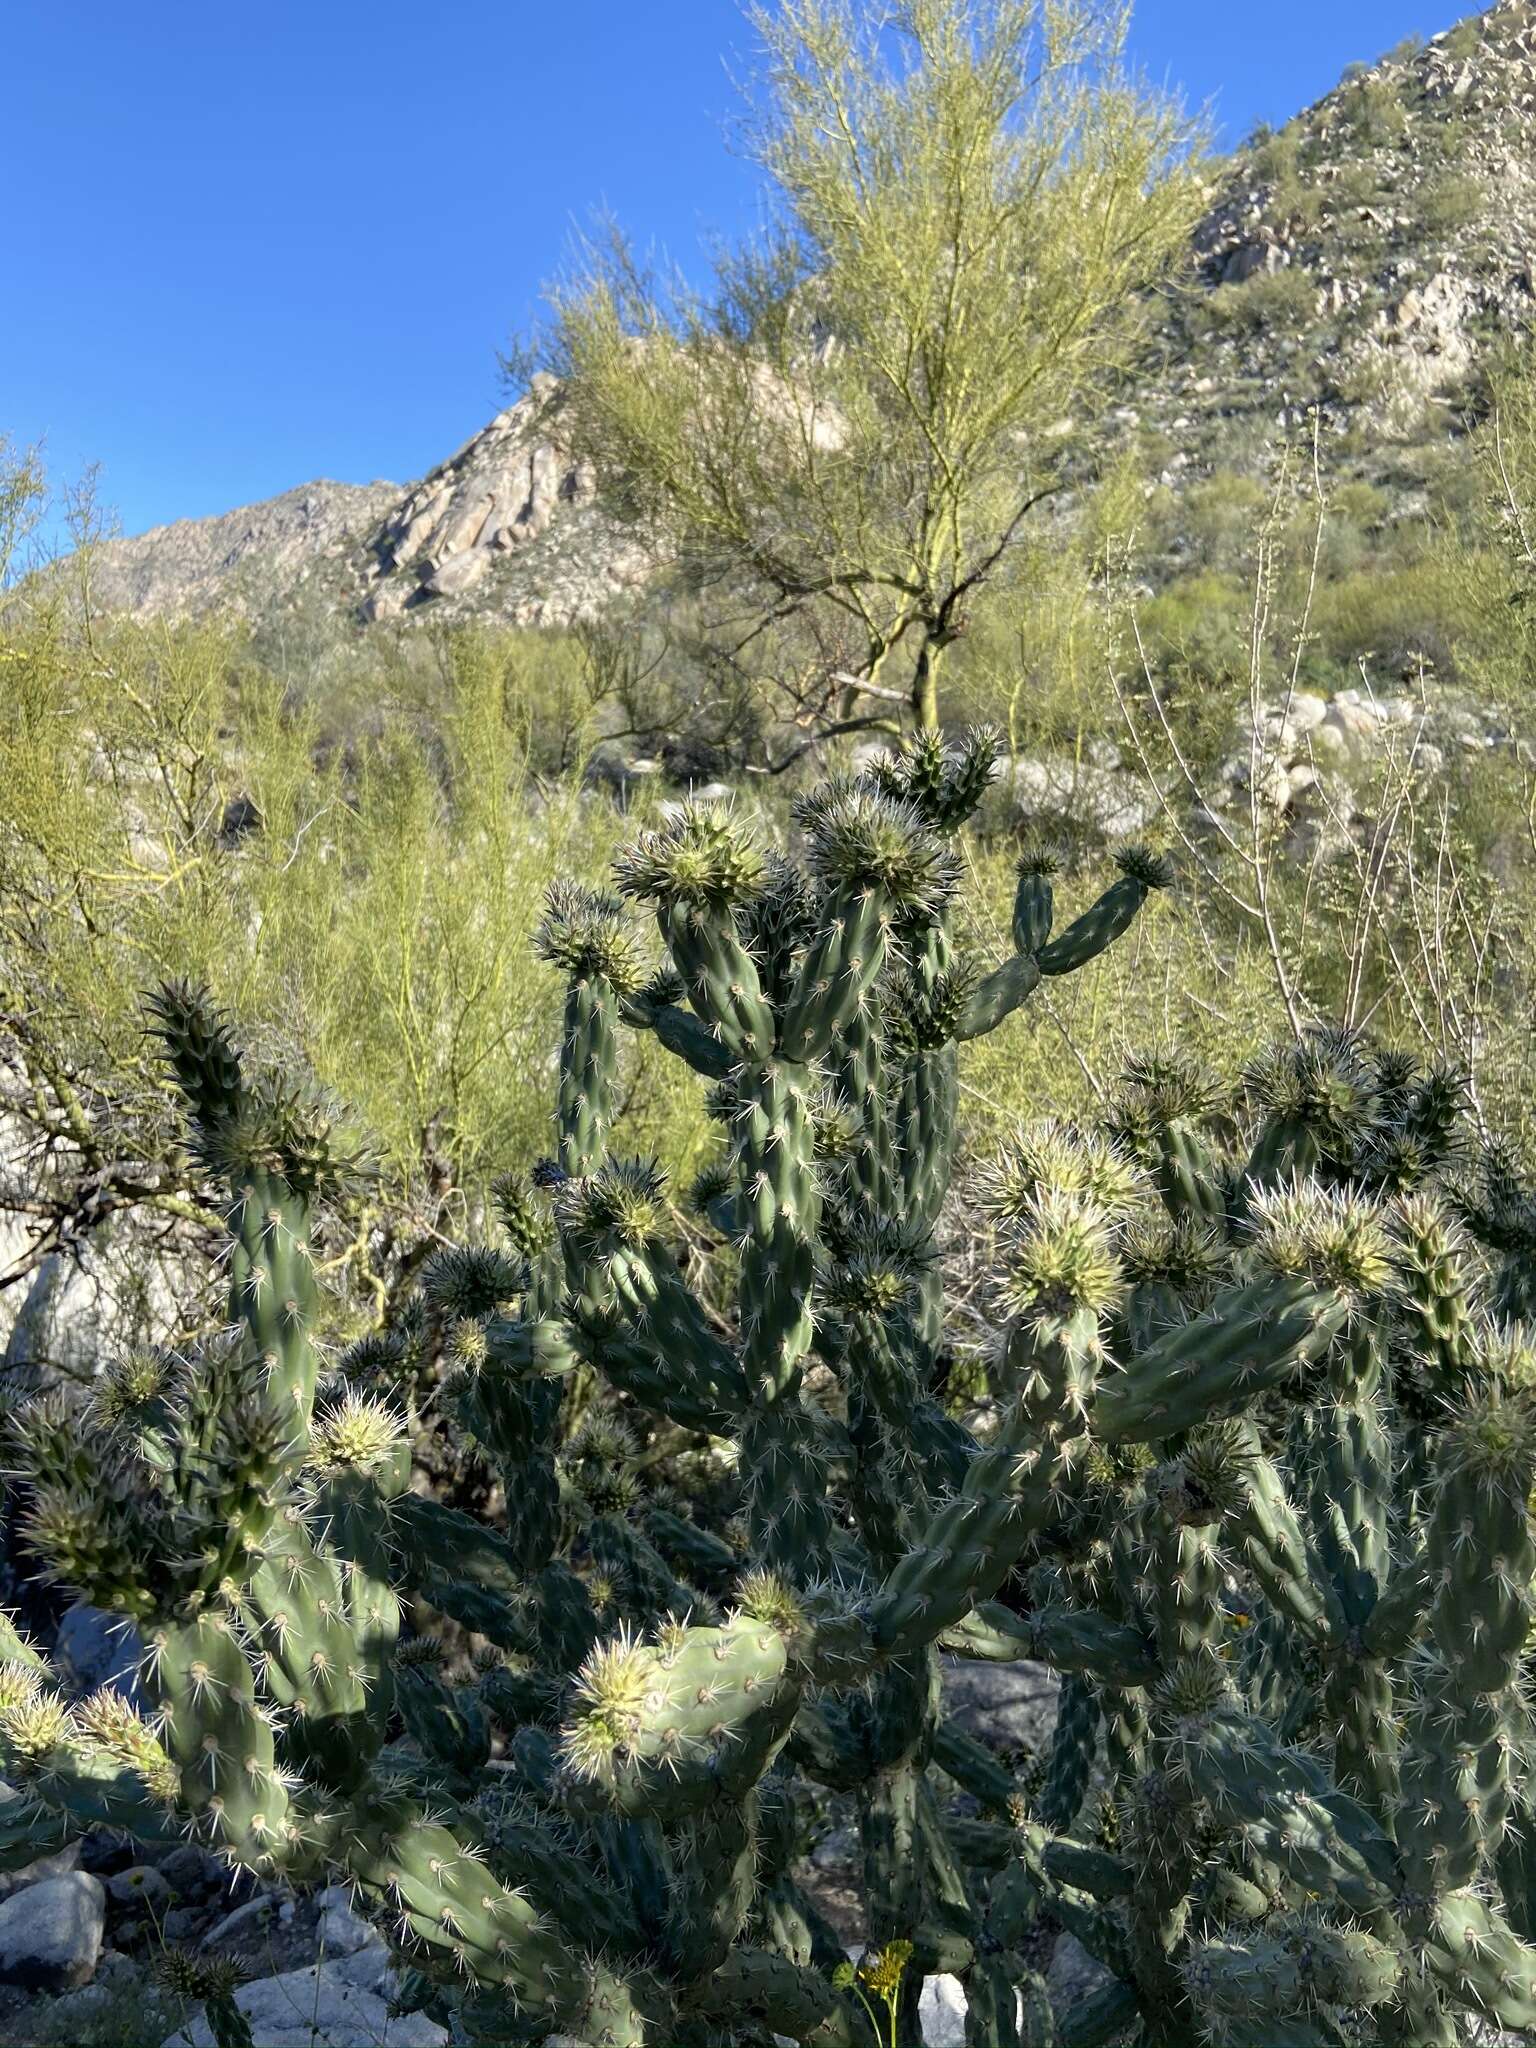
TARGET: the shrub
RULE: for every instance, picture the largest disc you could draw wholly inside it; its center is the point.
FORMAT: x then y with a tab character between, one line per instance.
1275	298
1451	202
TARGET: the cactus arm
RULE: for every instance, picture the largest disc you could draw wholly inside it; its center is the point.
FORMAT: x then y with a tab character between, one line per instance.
222	1740
323	1634
17	1648
714	1885
990	1634
857	1057
272	1289
446	1897
589	1911
672	1729
997	996
1250	1339
1069	1763
705	1557
722	978
833	982
636	1368
1113	914
29	1828
1480	1962
974	1769
1272	1542
757	1987
1100	1930
437	1542
588	1069
1187	1177
1034	902
1079	1866
971	1542
1289	1810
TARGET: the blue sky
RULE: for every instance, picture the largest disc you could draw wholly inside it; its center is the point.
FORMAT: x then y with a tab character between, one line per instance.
246	246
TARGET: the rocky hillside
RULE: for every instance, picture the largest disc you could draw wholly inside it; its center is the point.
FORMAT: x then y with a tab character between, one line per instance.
1364	256
506	528
244	559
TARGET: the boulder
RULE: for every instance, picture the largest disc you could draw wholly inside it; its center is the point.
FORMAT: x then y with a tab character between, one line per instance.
50	1933
1007	1706
1074	1975
247	1923
459	572
321	2007
94	1649
59	1864
342	1931
1109	801
140	1887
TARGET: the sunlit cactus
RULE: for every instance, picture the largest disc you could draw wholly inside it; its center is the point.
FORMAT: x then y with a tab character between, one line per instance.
1254	1479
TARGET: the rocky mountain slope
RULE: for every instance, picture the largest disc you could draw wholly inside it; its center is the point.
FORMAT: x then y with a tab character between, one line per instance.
243	559
1368	253
1364	257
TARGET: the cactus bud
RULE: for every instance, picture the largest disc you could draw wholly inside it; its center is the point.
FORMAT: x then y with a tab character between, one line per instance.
1051	1158
702	855
614	1689
1061	1260
1335	1238
587	933
359	1434
470	1280
858	840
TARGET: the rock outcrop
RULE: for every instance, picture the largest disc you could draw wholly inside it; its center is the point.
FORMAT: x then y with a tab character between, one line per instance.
475	524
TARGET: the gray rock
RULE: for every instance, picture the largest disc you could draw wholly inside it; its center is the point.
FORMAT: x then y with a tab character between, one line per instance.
243	1922
190	1869
50	1934
59	1864
182	1922
459	572
1110	801
941	2011
96	1649
371	1968
1074	1975
142	1886
1004	1705
317	2008
342	1931
122	2004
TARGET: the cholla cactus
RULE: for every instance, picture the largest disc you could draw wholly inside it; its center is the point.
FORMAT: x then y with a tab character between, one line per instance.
1255	1485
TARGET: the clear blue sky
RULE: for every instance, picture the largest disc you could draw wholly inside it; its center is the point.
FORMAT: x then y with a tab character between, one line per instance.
249	245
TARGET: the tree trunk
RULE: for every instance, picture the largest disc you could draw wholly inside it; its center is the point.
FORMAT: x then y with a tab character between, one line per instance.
925	687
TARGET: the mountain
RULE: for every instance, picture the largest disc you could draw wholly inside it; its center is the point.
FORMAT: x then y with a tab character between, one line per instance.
1363	257
507	528
243	559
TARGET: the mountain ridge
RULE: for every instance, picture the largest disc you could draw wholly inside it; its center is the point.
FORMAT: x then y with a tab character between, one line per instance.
1360	260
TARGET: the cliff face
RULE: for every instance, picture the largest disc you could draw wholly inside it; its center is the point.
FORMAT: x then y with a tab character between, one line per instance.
1365	257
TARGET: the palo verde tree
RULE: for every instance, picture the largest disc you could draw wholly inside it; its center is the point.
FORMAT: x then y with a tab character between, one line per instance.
970	203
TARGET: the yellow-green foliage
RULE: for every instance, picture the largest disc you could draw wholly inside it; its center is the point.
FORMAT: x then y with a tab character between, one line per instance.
967	204
365	908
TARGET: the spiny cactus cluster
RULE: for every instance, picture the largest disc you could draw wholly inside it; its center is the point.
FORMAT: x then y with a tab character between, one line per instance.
1255	1483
